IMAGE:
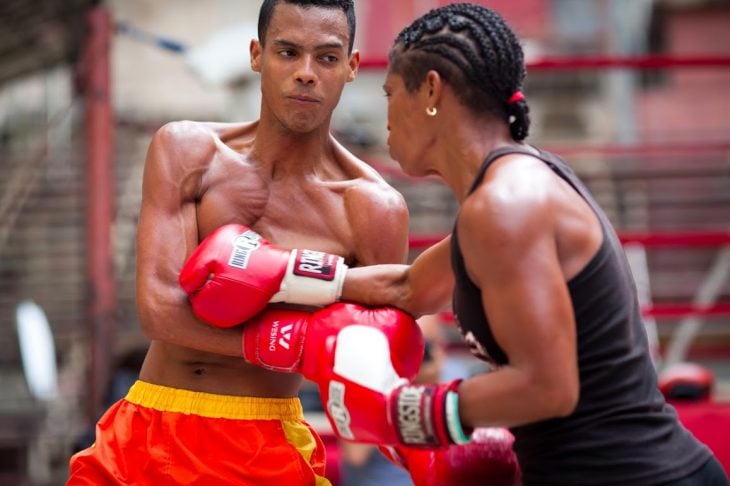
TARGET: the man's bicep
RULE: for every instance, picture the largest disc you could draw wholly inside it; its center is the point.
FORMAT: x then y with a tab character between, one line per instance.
164	240
167	229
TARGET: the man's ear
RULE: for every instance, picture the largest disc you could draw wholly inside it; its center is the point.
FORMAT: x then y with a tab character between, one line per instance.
254	50
354	65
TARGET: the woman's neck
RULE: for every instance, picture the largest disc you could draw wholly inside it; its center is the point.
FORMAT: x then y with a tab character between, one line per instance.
464	146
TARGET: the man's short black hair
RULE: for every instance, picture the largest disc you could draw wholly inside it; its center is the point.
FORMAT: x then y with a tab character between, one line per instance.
347	6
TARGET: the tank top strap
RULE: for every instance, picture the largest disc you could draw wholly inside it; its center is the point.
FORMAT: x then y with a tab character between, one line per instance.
494	155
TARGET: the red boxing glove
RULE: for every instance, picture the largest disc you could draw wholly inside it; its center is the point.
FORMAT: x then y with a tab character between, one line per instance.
296	341
362	359
369	399
234	273
487	459
388	411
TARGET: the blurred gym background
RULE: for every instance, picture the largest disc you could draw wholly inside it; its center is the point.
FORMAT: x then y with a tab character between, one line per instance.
634	94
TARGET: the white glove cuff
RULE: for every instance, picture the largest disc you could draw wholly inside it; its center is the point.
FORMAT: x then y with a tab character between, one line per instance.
312	278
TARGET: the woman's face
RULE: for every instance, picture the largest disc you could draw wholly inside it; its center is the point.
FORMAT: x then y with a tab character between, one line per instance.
405	125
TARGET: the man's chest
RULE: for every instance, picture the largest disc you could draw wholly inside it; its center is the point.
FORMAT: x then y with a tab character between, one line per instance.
287	217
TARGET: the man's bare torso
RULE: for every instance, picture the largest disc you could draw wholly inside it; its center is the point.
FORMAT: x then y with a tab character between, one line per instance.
289	207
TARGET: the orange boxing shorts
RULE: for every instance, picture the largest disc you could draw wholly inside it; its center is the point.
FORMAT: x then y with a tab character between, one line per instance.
161	436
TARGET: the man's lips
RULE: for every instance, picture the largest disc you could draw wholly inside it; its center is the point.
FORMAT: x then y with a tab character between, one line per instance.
304	98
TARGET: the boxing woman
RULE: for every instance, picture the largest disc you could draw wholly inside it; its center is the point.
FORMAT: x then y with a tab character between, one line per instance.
542	288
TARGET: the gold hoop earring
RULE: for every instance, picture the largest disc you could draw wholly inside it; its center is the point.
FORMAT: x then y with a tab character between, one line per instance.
431	111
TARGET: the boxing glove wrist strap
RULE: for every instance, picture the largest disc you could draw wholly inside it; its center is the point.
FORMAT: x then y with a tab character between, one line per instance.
427	415
312	278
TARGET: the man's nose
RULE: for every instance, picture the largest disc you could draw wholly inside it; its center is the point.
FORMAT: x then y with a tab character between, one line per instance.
305	73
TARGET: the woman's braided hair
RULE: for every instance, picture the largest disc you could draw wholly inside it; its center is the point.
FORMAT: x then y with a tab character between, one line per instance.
475	51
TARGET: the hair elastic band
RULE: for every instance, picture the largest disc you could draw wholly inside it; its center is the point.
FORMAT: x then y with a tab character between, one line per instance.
517	96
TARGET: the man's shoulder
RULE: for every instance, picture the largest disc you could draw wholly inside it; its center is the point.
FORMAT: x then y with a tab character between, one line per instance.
368	186
368	178
197	140
373	196
378	191
379	217
183	130
182	133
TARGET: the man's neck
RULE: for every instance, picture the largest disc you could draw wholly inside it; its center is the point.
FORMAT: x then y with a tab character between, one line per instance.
297	152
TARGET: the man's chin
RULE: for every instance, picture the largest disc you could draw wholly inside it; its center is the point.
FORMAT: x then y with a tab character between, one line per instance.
302	127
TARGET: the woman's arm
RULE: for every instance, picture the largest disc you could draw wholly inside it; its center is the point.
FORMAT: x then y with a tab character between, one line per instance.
424	287
508	239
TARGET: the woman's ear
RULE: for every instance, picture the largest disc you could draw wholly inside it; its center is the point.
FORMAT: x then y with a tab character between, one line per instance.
433	86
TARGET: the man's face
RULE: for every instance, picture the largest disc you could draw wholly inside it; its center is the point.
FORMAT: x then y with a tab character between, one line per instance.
304	65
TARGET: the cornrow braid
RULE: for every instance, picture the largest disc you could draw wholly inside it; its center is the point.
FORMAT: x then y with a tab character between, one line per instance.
475	51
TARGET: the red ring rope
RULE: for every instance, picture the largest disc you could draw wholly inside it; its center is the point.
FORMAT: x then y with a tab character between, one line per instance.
605	62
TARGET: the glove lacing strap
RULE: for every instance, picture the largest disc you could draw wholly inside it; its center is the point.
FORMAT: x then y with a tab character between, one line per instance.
428	415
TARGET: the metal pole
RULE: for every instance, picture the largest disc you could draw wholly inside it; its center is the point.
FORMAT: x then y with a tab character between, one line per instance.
102	304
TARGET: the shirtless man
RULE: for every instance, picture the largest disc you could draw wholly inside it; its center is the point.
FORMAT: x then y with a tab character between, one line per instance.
199	412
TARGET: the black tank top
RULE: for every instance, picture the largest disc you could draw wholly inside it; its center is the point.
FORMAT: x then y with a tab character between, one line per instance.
622	431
